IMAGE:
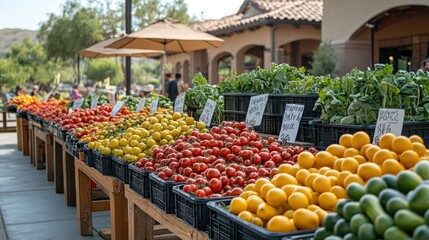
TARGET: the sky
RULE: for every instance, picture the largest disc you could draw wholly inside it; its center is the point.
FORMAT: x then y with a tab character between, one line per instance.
27	14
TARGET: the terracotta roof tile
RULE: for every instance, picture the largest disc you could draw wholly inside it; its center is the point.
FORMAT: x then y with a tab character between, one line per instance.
293	10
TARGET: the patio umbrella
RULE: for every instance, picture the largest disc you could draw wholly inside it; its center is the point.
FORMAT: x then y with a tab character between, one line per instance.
99	51
167	35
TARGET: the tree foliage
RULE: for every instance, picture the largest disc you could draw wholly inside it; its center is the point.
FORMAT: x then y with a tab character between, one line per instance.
99	69
324	60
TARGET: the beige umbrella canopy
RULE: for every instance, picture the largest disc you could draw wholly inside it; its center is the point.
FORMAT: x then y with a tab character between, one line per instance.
167	35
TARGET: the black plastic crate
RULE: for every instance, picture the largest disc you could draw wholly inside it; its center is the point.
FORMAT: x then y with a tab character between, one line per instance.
47	126
120	169
103	163
237	228
89	156
231	101
193	210
22	114
277	103
305	131
11	109
139	180
161	193
62	134
327	134
271	124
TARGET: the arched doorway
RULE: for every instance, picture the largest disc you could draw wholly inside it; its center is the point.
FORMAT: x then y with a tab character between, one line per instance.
398	36
221	67
186	70
250	57
178	68
298	53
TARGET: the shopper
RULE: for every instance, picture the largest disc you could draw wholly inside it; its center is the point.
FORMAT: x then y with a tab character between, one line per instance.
424	66
34	91
75	94
173	89
147	90
167	78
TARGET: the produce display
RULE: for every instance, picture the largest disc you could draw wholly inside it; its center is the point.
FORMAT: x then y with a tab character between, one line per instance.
21	100
163	102
356	97
102	99
45	110
197	96
219	163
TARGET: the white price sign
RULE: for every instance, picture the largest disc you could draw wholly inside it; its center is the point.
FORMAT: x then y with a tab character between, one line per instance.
141	104
154	105
77	103
388	121
256	110
112	98
94	102
116	108
291	120
179	103
207	114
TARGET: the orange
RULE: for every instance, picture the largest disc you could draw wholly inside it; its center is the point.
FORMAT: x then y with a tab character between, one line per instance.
409	158
298	200
266	212
246	216
323	170
350	152
386	141
313	170
327	200
419	148
301	175
259	183
253	203
321	214
342	176
401	144
285	168
313	207
359	139
284	179
364	148
392	166
276	197
324	159
247	194
353	178
306	190
250	187
314	198
350	164
416	138
333	180
339	191
395	155
288	189
336	150
280	224
381	155
289	213
371	151
238	205
305	219
310	178
337	163
258	222
346	140
361	159
306	160
295	168
265	189
332	172
369	170
322	184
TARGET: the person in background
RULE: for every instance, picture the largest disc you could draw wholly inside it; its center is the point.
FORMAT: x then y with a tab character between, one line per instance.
424	66
167	78
34	91
75	94
18	91
173	89
147	90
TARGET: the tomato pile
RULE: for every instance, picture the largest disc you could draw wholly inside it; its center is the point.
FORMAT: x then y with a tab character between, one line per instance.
219	163
45	110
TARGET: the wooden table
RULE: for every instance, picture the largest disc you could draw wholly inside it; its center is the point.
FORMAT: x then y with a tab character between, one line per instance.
58	164
25	137
4	127
117	202
69	176
18	132
143	215
32	140
43	138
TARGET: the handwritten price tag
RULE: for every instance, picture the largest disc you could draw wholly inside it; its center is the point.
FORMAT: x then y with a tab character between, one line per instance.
179	103
388	121
207	114
94	102
290	125
141	104
256	110
77	103
116	108
112	98
154	105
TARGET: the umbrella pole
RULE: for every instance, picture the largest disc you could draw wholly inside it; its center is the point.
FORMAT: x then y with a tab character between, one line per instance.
116	73
163	62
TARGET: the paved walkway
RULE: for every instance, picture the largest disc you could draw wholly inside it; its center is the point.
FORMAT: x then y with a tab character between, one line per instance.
28	203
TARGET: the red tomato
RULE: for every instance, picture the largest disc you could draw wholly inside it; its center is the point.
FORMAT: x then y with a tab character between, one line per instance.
186	153
239	181
269	164
263	172
244	141
253	175
286	156
236	191
274	171
224	180
207	190
225	151
200	193
220	167
277	158
256	159
245	154
265	156
230	171
215	184
212	173
187	171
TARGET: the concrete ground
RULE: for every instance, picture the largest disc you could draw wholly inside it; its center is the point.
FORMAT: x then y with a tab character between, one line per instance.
29	206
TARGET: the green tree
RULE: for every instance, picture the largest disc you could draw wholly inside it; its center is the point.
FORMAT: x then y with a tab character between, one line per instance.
324	60
99	69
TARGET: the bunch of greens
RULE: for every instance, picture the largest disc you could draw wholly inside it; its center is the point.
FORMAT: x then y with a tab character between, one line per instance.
130	102
279	79
356	97
197	96
163	102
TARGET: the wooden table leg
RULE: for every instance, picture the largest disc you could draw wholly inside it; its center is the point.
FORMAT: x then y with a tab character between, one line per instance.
18	132
58	167
31	144
25	138
118	212
38	156
140	225
49	153
84	203
69	178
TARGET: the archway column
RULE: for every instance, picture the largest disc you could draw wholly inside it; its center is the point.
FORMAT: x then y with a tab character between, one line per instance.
352	54
267	58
